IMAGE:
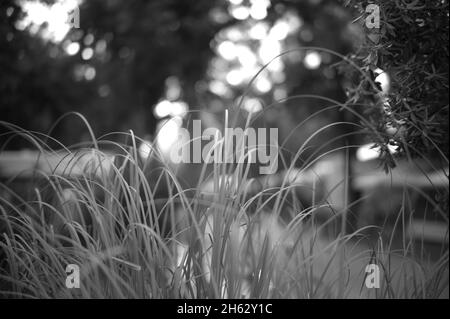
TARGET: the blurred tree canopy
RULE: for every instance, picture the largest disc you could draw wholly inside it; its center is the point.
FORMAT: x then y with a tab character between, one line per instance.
137	45
126	54
115	67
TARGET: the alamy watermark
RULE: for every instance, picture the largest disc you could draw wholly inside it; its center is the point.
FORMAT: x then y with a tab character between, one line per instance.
235	145
73	18
73	276
373	276
373	16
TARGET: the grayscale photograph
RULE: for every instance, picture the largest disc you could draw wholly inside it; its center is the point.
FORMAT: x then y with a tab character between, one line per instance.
241	150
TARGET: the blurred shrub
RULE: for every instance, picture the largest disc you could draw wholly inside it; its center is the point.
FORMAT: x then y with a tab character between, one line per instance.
411	45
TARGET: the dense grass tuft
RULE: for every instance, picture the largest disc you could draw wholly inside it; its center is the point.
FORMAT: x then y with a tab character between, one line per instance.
105	214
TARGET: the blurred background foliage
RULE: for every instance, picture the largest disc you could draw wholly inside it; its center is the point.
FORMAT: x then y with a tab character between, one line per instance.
134	64
412	45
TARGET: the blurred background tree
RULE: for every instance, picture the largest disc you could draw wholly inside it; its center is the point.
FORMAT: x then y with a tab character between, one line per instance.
296	30
112	69
132	63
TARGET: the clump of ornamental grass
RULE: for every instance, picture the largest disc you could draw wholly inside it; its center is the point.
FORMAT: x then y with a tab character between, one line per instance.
135	231
107	219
